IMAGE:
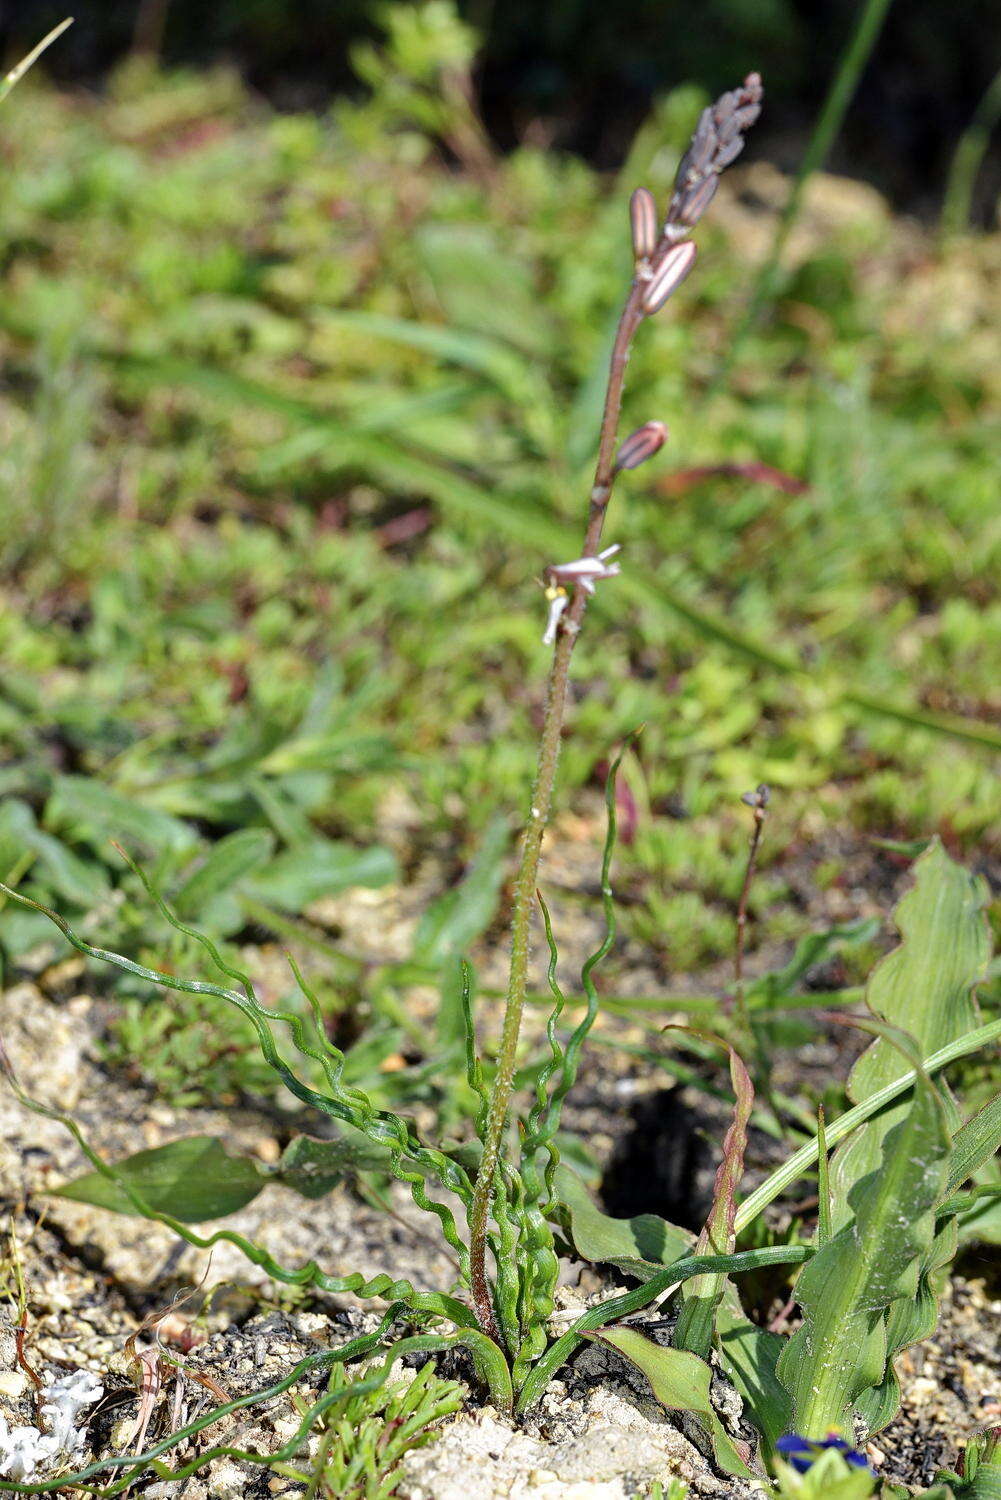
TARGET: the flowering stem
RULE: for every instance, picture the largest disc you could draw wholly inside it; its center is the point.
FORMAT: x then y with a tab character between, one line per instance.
531	843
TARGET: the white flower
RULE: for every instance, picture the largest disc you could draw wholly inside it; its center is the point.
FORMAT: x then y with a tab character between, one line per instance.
585	570
584	573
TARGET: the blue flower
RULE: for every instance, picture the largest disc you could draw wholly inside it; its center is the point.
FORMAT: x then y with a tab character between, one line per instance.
801	1452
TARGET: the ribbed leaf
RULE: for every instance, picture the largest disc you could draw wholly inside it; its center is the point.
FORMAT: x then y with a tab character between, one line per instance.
845	1291
925	987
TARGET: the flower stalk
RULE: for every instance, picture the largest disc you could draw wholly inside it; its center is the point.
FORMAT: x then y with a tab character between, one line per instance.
541	804
659	270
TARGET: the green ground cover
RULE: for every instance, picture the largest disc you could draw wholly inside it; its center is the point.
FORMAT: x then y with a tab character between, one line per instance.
294	412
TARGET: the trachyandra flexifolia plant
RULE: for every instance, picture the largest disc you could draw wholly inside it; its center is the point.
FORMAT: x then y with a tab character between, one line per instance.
893	1201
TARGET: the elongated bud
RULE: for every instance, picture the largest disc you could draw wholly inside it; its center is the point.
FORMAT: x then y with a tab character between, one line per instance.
693	202
643	222
641	445
668	276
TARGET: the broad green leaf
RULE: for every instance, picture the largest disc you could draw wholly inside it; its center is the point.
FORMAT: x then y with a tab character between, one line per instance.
97	814
750	1354
227	862
313	1168
323	868
77	880
639	1246
680	1381
845	1291
193	1179
925	987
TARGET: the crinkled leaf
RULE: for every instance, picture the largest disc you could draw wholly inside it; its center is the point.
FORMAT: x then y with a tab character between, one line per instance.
313	1168
193	1179
908	1321
680	1381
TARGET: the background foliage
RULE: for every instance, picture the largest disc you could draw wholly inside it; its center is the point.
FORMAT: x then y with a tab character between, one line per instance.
294	403
587	72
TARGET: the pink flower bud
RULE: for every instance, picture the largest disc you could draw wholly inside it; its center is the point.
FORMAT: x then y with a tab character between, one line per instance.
693	203
668	276
643	221
641	445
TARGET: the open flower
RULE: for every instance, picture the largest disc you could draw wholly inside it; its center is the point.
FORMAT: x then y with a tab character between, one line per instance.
801	1452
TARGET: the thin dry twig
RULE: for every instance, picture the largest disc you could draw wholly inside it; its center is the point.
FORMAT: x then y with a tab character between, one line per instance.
758	802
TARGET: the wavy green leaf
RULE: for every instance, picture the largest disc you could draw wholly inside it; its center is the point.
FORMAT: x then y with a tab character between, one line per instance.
925	986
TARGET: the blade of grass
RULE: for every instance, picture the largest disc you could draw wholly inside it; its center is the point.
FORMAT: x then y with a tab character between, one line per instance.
829	122
18	71
966	161
805	1157
411	469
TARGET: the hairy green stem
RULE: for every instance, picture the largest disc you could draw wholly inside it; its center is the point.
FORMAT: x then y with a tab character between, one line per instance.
531	844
